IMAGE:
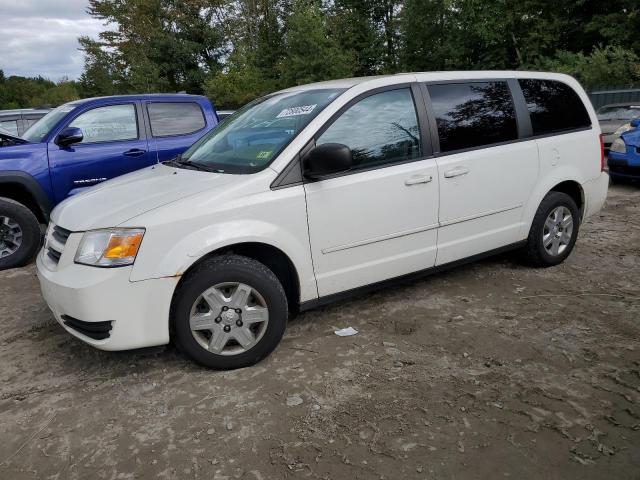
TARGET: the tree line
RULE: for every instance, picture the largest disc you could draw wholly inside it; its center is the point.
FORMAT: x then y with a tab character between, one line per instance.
234	51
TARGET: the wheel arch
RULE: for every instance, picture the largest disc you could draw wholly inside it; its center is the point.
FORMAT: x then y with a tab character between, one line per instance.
564	179
25	189
574	190
272	257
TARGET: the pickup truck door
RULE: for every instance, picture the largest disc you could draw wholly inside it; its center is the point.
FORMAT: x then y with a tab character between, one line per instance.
175	125
114	143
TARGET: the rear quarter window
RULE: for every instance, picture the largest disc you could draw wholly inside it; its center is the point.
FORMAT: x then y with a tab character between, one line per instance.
553	106
175	118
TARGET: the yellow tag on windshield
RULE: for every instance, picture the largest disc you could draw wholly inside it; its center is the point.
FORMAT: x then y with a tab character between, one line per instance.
263	155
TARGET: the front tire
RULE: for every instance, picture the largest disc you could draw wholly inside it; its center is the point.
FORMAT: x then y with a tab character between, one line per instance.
554	230
19	234
229	312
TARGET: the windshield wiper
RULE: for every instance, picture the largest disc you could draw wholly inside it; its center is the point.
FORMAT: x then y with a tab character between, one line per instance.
180	162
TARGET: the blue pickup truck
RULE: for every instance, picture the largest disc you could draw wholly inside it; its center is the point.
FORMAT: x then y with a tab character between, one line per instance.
81	144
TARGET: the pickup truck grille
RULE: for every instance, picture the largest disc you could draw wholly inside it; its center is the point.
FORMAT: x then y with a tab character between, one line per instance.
55	243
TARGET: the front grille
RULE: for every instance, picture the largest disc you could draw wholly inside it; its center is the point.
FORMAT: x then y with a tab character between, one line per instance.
95	330
61	234
55	243
53	254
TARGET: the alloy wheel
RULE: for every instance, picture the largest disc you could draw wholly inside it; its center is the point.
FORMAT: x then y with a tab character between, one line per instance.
557	231
10	236
229	318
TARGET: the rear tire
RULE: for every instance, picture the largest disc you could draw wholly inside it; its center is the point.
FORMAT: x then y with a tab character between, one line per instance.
229	312
19	234
554	231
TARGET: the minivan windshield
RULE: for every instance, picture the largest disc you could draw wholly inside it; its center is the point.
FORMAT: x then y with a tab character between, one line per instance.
42	127
251	138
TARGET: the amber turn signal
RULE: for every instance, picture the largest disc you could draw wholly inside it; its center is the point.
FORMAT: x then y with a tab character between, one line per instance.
121	246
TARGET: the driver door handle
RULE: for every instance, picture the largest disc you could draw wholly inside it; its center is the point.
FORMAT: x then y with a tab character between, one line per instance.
134	152
456	172
417	179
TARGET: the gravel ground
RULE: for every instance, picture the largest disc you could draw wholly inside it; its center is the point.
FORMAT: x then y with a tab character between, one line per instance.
492	370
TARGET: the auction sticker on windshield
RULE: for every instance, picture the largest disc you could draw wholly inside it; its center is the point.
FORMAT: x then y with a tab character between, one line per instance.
295	111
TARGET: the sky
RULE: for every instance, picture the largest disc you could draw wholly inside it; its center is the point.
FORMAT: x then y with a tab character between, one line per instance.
40	37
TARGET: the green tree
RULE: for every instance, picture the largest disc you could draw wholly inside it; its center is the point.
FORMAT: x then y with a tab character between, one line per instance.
312	54
100	75
387	18
429	35
604	66
497	34
353	23
235	51
22	92
165	45
257	32
242	83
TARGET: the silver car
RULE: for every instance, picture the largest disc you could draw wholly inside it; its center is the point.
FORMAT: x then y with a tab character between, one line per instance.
614	116
18	121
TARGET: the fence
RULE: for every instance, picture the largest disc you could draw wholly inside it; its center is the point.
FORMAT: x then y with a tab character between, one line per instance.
605	96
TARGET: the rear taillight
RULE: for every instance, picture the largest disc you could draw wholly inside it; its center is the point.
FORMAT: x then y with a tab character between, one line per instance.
603	160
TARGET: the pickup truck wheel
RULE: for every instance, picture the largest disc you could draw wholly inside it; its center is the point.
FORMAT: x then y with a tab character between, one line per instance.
19	234
230	312
554	230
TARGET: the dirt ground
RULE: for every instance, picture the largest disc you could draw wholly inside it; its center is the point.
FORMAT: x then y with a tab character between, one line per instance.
492	370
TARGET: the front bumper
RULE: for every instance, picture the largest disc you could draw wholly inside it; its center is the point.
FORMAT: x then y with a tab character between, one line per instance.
625	164
138	312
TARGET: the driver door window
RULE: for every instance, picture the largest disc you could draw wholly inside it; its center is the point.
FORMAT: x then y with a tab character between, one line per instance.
108	124
381	129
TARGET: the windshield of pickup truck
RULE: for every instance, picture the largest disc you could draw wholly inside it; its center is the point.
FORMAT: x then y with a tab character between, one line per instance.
42	127
252	137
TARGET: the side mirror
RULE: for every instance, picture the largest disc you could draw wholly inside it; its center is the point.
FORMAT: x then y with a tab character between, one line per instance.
635	123
69	136
327	159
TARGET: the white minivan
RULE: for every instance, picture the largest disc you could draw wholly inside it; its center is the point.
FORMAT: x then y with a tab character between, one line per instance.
313	193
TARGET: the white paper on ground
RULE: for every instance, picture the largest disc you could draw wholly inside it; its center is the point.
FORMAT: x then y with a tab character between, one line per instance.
346	332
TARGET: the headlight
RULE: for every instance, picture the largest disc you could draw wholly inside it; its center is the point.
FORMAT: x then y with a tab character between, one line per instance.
618	146
109	248
624	128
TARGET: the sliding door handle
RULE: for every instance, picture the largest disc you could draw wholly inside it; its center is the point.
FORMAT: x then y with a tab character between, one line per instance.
417	179
456	172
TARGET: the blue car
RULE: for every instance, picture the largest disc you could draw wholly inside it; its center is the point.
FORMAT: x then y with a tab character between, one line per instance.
84	143
624	155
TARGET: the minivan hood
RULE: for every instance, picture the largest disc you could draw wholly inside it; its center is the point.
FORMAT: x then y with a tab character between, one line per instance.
115	201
